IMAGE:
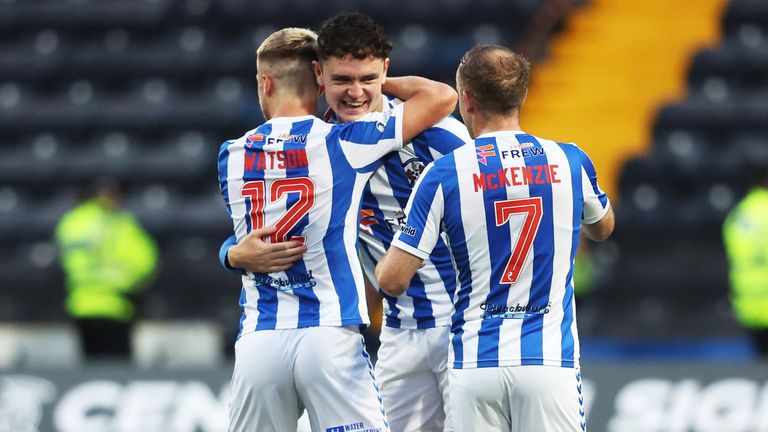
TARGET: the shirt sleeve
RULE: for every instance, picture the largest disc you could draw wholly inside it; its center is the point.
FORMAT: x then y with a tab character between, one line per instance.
228	243
441	139
424	214
596	203
367	140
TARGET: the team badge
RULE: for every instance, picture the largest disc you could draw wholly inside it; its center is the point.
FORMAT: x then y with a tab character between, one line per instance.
413	168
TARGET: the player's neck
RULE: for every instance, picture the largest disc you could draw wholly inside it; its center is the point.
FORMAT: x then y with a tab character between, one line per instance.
294	108
482	125
377	104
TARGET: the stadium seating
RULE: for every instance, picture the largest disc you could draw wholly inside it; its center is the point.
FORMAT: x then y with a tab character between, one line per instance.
667	250
145	92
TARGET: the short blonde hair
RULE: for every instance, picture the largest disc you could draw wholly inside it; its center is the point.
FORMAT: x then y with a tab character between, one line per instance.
288	55
289	43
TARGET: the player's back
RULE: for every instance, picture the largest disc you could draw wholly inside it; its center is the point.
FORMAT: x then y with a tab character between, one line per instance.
513	211
305	177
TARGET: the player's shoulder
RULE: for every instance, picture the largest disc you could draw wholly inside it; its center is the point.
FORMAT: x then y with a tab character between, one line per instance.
552	144
454	126
448	164
241	139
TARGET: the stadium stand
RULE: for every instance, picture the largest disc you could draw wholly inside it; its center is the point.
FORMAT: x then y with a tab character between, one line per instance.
670	271
145	92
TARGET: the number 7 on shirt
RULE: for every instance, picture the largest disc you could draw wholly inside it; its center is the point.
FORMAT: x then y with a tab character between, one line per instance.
532	209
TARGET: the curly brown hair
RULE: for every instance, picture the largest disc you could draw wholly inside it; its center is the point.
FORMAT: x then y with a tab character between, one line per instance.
352	34
496	76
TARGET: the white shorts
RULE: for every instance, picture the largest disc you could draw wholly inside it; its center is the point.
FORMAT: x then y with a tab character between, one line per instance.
326	370
412	371
517	399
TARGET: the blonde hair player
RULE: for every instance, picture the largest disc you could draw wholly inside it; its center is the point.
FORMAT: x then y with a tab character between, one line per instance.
299	344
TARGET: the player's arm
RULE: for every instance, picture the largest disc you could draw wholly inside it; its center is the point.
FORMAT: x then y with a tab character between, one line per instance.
426	102
253	254
597	218
601	229
416	238
395	270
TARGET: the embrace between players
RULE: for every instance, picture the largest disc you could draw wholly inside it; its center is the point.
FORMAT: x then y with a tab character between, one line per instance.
480	327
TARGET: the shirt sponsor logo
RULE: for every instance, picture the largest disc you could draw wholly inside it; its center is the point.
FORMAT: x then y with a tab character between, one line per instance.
518	311
286	284
484	152
525	151
368	218
264	139
408	230
356	427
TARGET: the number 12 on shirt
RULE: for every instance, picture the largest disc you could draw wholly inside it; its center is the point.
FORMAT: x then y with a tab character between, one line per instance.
254	192
531	208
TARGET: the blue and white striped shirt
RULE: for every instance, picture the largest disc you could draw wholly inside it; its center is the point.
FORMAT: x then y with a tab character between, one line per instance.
306	177
512	207
428	301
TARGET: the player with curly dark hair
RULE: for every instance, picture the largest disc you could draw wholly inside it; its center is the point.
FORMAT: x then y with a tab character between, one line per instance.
352	34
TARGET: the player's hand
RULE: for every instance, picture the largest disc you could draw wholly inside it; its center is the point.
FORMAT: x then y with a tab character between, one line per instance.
253	254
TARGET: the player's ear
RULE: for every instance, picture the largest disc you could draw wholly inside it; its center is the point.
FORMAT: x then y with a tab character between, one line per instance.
318	70
269	84
384	72
466	99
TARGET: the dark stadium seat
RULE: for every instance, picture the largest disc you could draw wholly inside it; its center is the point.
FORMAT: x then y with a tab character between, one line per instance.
191	282
739	67
103	13
705	116
670	268
745	12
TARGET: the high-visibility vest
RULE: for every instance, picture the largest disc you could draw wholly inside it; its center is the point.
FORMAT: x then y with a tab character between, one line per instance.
105	254
745	234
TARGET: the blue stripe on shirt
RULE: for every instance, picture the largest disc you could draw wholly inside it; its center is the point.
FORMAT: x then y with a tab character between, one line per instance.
441	259
532	349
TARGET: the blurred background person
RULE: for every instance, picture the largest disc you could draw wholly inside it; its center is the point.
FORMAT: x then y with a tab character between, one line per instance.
108	259
745	234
